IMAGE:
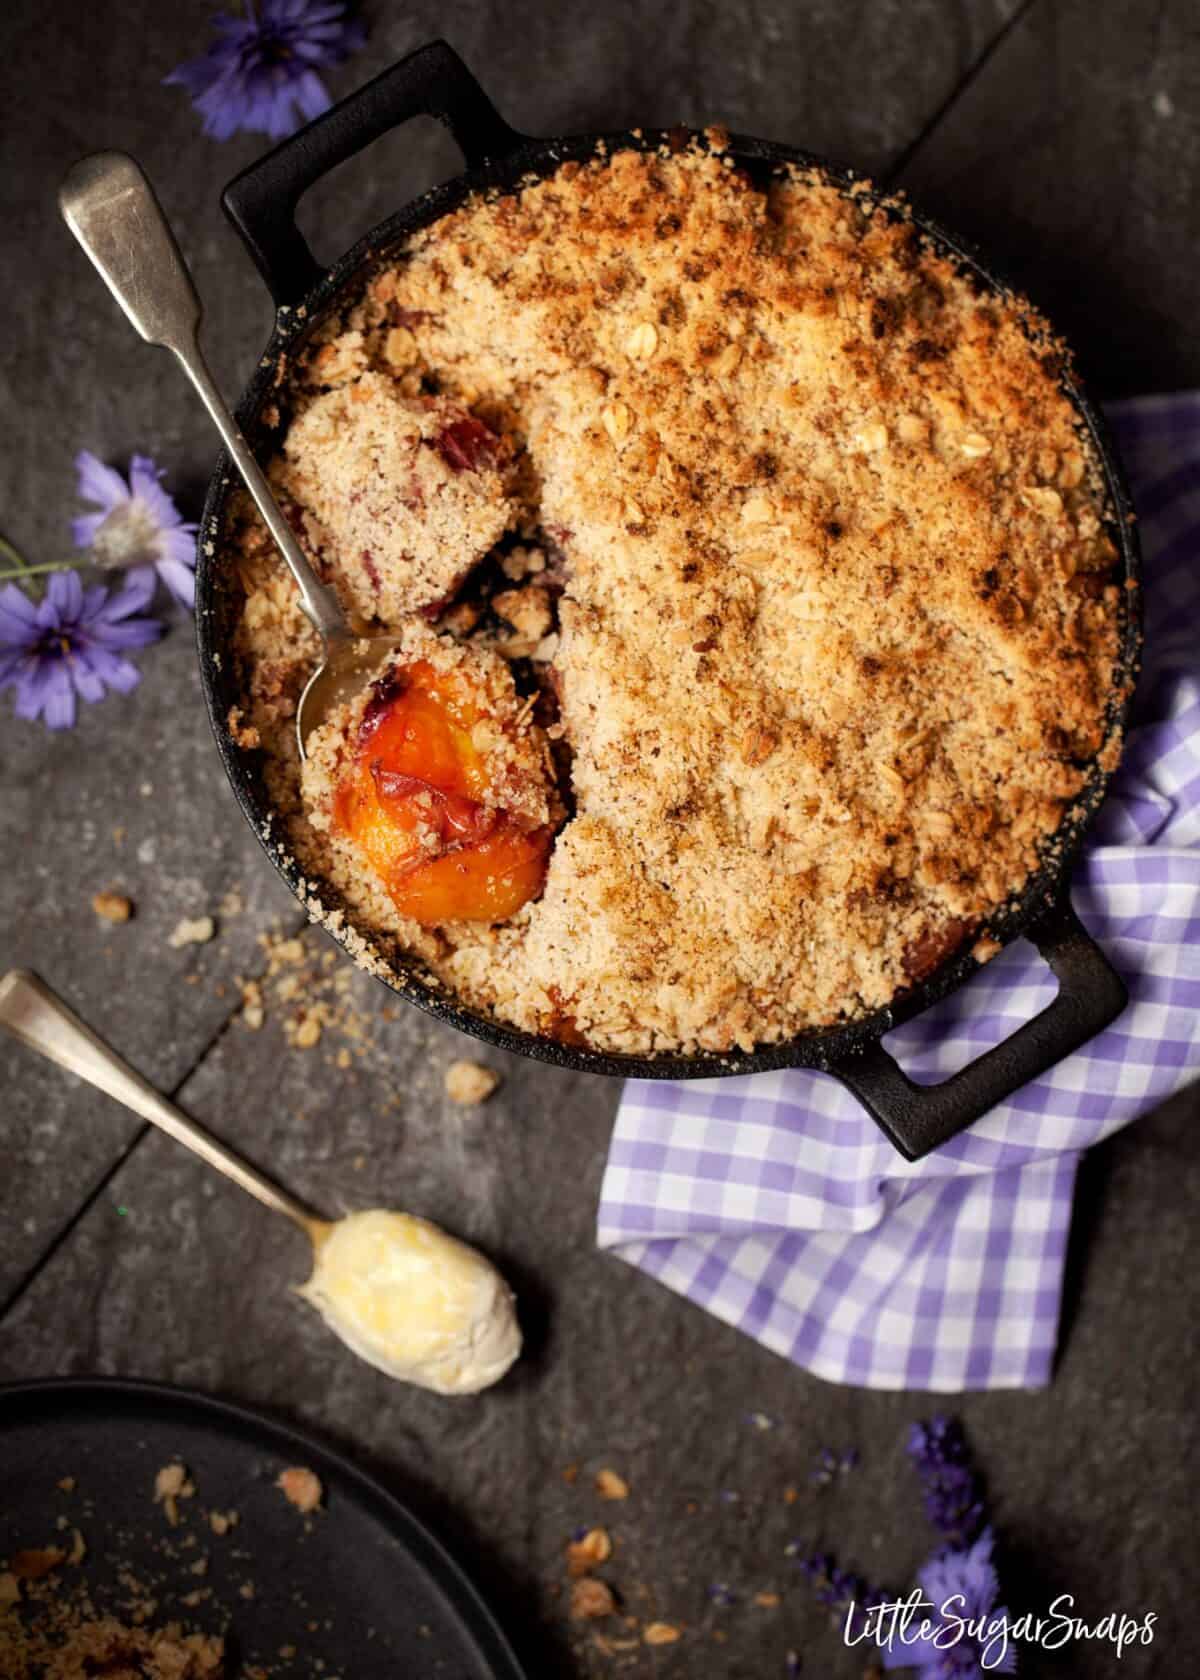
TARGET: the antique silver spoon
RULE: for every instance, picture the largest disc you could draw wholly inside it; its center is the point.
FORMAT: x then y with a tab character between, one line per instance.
110	207
402	1294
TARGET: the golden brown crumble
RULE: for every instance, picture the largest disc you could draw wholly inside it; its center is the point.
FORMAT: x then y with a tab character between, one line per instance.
301	1488
171	1484
611	1486
591	1600
112	906
469	1083
589	1553
823	602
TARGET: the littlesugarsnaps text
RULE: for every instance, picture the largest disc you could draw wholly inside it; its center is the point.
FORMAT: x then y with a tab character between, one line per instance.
899	1624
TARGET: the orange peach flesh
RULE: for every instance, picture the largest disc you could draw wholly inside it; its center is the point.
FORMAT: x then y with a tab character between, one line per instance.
415	804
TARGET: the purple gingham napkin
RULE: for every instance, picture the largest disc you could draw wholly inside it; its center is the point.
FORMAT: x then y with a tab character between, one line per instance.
773	1200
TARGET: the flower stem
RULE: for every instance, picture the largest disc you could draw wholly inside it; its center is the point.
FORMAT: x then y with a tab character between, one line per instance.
26	571
14	554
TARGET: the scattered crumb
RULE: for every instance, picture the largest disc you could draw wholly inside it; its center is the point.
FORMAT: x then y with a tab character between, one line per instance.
300	1488
33	1564
590	1600
252	1014
170	1485
66	1484
222	1521
570	1474
308	1033
584	1555
310	991
112	906
611	1486
78	1548
766	1600
246	1590
660	1633
469	1082
79	1643
194	930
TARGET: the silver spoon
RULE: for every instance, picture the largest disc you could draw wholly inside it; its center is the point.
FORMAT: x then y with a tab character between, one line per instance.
110	207
410	1300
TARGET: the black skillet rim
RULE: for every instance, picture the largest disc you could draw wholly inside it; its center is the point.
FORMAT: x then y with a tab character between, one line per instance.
817	1048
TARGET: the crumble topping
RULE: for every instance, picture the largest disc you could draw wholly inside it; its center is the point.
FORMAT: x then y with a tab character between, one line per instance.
396	497
799	548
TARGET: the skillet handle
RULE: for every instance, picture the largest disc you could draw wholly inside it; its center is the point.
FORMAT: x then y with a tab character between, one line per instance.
920	1118
261	201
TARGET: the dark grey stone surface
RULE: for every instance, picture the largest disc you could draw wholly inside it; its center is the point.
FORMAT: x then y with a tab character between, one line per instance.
118	1253
1074	158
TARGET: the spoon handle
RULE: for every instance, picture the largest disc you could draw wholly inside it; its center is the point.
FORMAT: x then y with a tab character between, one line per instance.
31	1012
110	207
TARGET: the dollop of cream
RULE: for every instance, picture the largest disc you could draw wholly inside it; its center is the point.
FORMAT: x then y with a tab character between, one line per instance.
414	1302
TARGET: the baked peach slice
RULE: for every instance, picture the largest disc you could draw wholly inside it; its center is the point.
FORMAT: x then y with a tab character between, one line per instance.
442	786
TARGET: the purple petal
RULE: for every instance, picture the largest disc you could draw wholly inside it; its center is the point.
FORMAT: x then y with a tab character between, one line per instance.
86	679
46	691
180	544
94	599
59	708
98	483
136	592
180	581
311	95
132	633
84	528
18	617
113	671
144	479
64	591
10	666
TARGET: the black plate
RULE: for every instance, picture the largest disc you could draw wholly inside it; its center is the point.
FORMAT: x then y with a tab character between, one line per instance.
387	1600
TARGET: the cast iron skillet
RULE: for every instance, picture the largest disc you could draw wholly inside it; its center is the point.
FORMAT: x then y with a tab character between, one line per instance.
261	203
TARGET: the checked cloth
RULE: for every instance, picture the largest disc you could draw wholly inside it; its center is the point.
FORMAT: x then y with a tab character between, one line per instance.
772	1199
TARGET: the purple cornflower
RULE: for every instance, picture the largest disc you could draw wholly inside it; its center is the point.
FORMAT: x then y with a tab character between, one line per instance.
952	1489
260	74
138	529
961	1585
70	643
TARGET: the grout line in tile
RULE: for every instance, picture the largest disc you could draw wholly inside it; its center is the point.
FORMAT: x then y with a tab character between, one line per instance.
29	1276
890	176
